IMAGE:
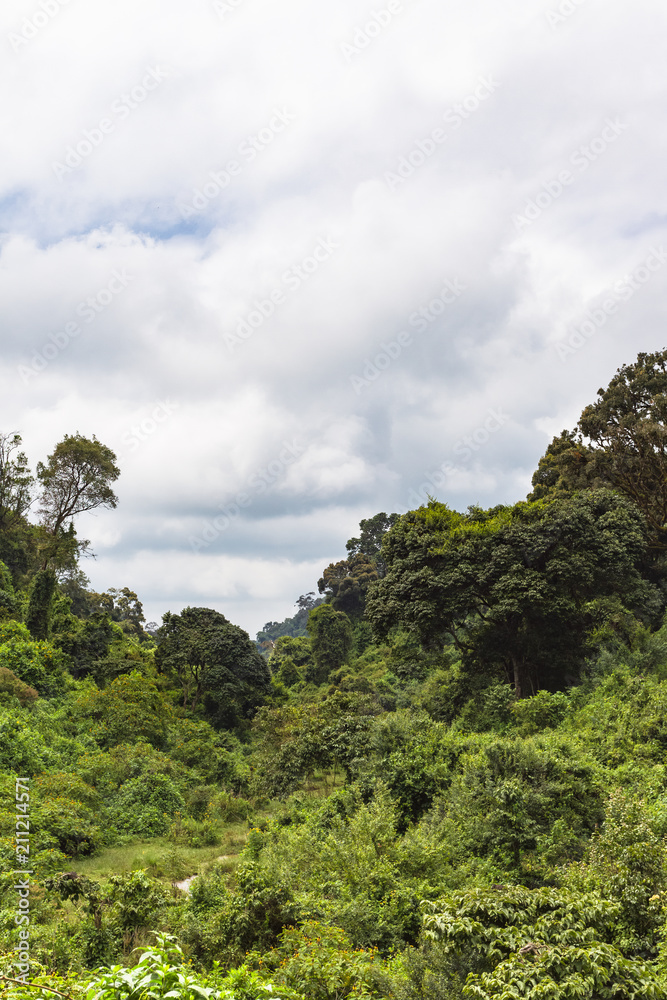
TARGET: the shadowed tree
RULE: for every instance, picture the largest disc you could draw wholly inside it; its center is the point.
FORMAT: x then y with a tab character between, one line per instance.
331	641
216	662
346	583
122	606
369	543
512	586
38	618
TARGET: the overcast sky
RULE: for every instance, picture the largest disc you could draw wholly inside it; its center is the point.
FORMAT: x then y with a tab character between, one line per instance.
301	262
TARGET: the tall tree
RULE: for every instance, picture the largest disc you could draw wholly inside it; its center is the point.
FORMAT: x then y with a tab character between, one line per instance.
40	606
331	640
620	441
76	478
16	481
512	586
369	543
8	603
122	606
345	584
564	468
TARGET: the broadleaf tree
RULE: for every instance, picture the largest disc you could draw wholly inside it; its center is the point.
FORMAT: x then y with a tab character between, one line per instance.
511	586
216	662
76	477
620	441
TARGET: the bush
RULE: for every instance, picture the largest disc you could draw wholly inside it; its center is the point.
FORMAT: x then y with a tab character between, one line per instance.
67	824
37	664
543	711
521	943
224	924
162	973
194	833
230	808
11	685
627	863
146	807
23	750
321	963
138	899
508	793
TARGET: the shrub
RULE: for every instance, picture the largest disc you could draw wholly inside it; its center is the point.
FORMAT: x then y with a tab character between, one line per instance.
543	711
37	664
627	863
138	899
521	943
11	685
194	833
145	807
321	962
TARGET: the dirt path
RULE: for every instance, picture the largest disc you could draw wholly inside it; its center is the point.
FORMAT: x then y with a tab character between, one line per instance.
185	884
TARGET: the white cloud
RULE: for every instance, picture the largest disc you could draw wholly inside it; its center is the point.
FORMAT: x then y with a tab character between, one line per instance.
222	87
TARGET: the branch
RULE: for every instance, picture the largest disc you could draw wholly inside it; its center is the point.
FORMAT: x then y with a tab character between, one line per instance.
36	986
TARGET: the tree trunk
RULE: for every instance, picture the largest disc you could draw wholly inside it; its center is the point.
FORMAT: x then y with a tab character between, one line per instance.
517	677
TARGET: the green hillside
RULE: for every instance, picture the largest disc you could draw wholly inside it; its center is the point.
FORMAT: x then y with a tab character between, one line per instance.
445	777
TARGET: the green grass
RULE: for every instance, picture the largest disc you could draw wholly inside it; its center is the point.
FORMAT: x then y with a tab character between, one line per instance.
153	855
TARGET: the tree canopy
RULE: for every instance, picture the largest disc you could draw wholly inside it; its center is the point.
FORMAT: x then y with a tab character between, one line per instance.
76	477
345	584
511	587
16	481
369	543
216	662
620	441
331	640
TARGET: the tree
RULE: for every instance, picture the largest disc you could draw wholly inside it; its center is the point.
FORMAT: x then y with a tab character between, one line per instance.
74	584
216	662
345	584
296	626
306	602
122	606
372	531
8	604
38	618
512	586
36	663
331	638
563	468
17	536
86	642
76	478
129	710
16	481
620	441
291	659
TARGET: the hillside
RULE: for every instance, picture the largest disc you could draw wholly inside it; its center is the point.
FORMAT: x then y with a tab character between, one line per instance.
445	777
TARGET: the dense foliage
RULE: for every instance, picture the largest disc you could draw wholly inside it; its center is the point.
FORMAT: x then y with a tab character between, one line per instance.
445	778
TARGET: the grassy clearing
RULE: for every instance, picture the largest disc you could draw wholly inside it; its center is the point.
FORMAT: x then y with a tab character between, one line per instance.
173	862
162	858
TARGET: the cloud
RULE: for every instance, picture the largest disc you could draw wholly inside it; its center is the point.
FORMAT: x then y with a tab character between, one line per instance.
224	254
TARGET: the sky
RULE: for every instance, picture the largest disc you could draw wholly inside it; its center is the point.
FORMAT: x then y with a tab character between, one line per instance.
300	263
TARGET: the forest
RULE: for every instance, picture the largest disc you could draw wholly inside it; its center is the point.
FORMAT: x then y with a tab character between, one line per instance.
444	777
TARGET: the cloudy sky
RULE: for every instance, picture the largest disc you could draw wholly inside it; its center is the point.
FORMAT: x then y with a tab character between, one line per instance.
301	262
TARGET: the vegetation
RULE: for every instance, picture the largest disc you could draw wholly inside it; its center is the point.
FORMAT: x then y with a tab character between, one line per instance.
445	778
